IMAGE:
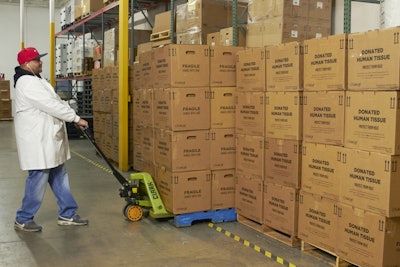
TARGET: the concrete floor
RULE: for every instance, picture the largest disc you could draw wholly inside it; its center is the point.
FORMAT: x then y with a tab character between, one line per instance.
111	240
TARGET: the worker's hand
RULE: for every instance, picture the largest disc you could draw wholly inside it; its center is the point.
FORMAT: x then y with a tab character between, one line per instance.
82	123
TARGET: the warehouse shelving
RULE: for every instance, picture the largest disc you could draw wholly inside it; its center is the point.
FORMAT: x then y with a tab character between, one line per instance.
347	12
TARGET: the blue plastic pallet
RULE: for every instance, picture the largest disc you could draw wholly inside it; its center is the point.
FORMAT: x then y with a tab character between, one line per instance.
216	216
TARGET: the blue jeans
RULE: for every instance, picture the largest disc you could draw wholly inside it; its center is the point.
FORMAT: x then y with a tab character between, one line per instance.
35	188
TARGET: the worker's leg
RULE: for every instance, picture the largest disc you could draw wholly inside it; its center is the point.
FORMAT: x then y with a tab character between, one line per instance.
59	183
35	187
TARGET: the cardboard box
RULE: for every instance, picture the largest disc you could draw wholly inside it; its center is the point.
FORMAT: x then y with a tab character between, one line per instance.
222	148
110	47
323	117
148	143
368	239
282	162
147	70
4	94
373	60
213	38
182	109
223	109
325	63
278	30
184	192
5	85
250	113
250	69
223	65
162	22
181	66
370	181
146	109
223	189
226	37
318	221
284	67
372	121
261	10
182	151
323	169
250	156
249	198
197	14
284	115
281	208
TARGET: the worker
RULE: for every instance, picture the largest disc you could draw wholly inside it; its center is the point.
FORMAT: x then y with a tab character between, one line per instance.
42	142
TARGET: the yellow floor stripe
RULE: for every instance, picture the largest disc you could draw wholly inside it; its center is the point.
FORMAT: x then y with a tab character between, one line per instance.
92	162
255	247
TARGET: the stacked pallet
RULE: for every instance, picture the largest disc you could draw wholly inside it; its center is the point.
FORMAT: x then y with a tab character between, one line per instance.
5	101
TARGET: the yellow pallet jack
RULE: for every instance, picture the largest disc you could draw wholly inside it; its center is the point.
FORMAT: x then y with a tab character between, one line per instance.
139	191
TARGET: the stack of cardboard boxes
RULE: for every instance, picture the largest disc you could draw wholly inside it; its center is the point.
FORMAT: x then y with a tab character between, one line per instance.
184	124
335	100
197	18
272	22
5	101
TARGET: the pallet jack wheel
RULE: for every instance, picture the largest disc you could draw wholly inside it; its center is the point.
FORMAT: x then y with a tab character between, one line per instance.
133	212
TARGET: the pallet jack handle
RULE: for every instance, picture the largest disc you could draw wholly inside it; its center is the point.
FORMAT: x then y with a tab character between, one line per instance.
121	179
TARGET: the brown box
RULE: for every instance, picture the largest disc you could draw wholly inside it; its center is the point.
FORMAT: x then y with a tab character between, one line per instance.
250	156
181	66
281	208
4	94
197	14
368	239
182	151
250	69
144	47
282	162
323	169
223	189
249	198
372	121
213	38
325	63
323	117
223	107
318	221
222	148
182	109
374	60
371	181
226	37
162	22
148	143
223	65
147	70
4	89
146	110
284	115
284	67
250	113
184	192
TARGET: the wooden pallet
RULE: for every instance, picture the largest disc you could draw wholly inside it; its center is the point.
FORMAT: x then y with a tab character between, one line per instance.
6	119
330	258
250	223
289	240
160	35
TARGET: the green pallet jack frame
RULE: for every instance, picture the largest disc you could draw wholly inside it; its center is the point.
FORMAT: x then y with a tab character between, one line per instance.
139	191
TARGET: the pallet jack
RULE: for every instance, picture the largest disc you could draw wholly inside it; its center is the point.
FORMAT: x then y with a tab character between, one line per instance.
139	191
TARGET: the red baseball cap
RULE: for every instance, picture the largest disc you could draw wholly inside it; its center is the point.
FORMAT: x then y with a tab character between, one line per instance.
28	54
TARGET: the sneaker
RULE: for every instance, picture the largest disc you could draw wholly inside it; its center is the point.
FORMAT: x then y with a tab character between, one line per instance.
29	226
76	220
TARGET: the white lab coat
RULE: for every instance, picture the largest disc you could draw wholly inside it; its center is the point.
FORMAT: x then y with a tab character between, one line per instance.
40	116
